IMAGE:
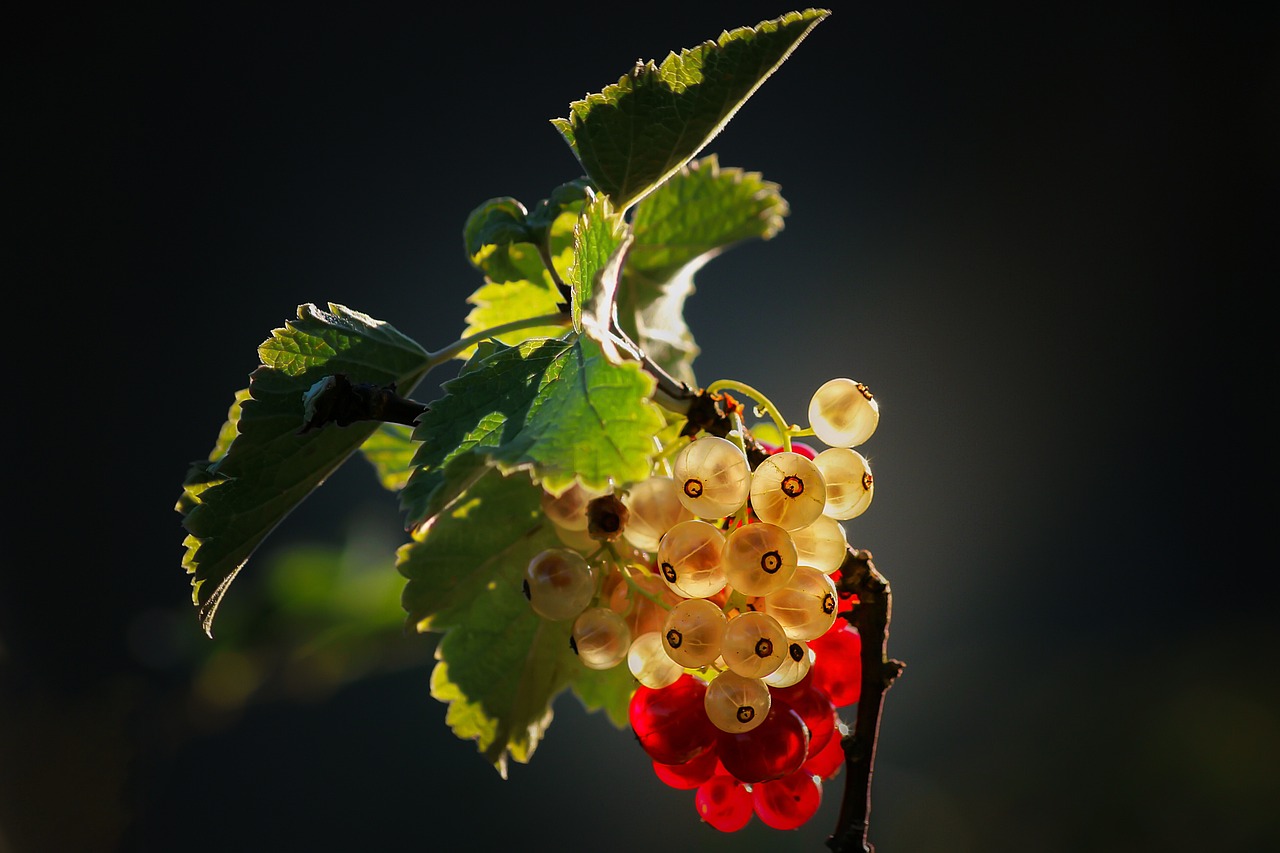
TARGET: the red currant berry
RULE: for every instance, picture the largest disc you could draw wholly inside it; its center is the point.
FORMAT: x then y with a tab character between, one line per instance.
671	722
803	449
837	663
724	802
813	704
691	774
788	802
771	750
828	761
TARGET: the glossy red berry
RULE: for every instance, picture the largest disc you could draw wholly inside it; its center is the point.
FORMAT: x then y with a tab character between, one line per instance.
773	749
789	802
813	704
671	722
691	774
827	762
837	663
724	802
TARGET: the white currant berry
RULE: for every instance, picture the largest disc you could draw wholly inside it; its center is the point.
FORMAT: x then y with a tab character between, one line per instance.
655	507
787	490
758	558
693	632
689	559
578	540
650	663
799	660
807	606
712	476
737	703
600	638
754	644
559	584
843	413
850	485
569	509
822	544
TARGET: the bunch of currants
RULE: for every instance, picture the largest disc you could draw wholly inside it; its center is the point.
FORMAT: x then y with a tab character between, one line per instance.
718	585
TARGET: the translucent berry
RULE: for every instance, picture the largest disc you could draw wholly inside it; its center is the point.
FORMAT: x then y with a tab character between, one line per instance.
559	583
736	703
843	413
837	663
808	699
671	723
569	509
650	663
789	802
758	558
807	606
655	508
600	638
827	761
689	558
712	476
754	644
787	490
693	632
822	544
645	609
691	774
577	540
771	750
850	485
724	802
796	666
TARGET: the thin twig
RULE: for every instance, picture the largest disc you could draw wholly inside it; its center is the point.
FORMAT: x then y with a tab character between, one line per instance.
871	617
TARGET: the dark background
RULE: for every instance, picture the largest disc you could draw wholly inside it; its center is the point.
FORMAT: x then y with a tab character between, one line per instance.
1041	233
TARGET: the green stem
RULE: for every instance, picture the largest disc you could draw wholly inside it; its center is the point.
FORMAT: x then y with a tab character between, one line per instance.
631	582
784	429
440	356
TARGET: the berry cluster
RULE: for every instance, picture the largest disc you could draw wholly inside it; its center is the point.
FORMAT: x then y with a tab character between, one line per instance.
717	585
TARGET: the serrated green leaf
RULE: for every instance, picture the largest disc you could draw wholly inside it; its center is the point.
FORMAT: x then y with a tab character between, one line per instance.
490	396
600	241
633	135
390	451
500	665
699	212
230	504
503	243
591	420
496	304
568	198
558	409
491	229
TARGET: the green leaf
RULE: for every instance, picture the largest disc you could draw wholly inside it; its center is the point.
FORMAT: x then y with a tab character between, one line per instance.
390	451
503	243
637	132
607	690
230	504
600	244
490	231
500	664
558	409
496	304
699	212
